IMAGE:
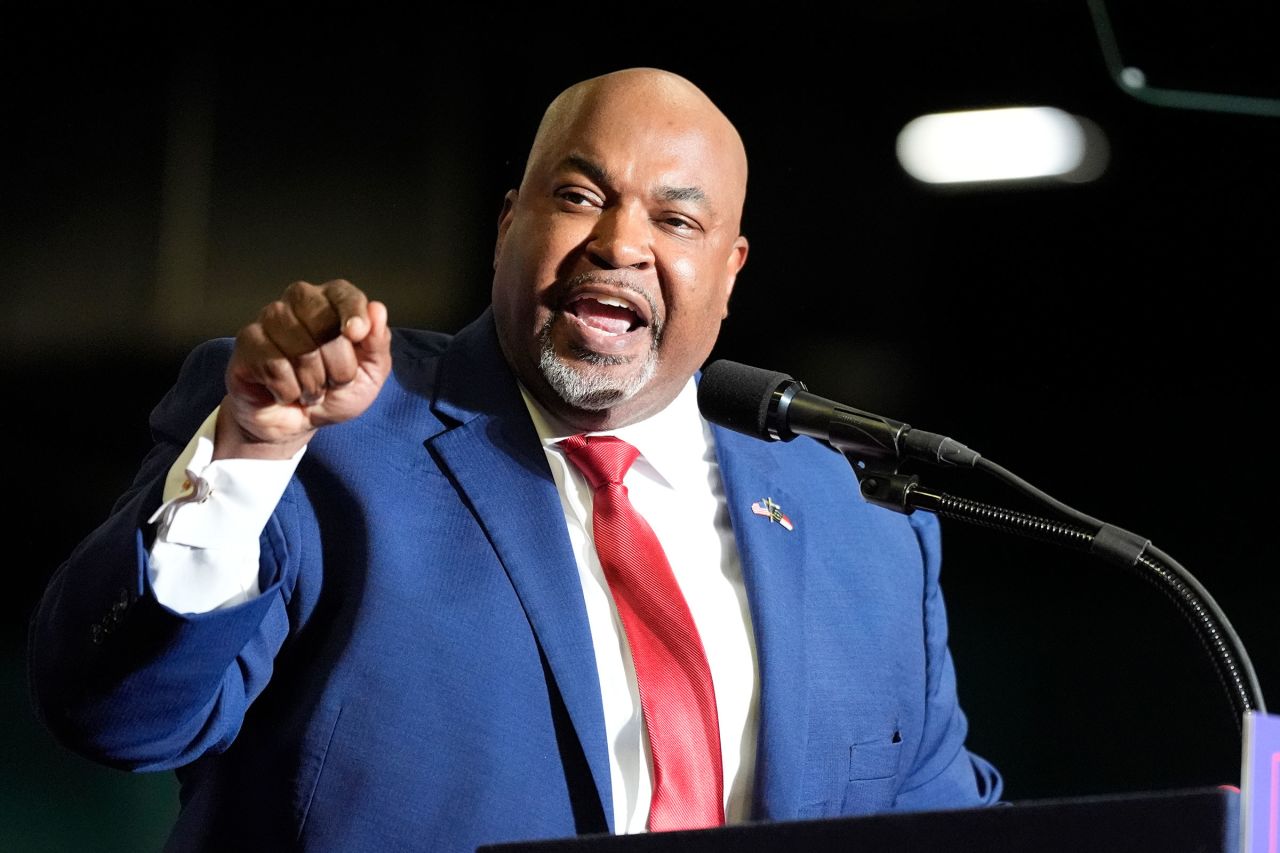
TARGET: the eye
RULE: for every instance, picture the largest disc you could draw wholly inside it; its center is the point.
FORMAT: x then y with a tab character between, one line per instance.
679	224
578	198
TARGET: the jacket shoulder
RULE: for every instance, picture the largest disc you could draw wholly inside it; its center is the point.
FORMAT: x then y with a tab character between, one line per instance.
419	343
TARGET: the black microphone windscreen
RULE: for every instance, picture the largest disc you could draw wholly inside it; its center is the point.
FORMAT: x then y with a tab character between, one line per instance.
737	396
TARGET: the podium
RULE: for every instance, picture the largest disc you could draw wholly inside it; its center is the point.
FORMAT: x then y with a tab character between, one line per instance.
1189	821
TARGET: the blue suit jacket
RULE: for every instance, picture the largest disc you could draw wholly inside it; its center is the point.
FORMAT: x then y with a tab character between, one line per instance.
418	672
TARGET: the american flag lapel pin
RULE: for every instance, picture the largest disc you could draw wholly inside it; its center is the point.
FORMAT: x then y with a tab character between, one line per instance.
770	510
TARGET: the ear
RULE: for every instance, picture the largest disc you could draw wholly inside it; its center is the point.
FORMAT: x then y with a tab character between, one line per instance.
733	264
504	222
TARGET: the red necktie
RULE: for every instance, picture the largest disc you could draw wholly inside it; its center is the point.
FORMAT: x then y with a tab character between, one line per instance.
676	696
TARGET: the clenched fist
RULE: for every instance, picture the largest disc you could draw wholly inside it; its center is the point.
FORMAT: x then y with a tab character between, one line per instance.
314	357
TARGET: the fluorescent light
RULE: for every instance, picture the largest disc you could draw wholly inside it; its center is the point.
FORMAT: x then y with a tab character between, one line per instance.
1017	143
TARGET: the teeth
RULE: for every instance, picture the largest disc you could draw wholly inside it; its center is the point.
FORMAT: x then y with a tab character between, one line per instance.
609	300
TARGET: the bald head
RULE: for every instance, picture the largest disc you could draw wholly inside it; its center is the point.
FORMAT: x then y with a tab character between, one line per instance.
650	97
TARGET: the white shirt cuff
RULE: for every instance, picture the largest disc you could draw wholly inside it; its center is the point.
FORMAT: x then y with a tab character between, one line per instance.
205	554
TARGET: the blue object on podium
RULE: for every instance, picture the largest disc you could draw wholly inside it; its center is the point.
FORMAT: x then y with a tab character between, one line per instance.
1260	783
1191	821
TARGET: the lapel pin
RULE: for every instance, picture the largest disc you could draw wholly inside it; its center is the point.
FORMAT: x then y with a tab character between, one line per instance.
773	512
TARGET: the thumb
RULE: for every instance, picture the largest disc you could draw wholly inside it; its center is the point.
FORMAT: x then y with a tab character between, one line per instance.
374	350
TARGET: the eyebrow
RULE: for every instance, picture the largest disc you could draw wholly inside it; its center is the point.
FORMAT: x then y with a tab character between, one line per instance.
600	175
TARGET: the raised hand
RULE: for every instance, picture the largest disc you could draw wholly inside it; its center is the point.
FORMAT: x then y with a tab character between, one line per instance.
314	357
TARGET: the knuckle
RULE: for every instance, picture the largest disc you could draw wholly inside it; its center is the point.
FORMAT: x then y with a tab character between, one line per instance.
301	294
276	371
308	361
341	375
248	342
343	292
339	362
274	313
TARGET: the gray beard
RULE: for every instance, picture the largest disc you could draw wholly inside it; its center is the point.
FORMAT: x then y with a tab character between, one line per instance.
591	392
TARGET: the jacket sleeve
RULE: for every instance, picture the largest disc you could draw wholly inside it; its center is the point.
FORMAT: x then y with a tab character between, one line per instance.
115	674
945	774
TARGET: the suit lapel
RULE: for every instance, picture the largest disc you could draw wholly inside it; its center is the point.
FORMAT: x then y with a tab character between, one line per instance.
773	560
495	457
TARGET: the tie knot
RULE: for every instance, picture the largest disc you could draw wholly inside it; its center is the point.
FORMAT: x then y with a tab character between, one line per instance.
601	458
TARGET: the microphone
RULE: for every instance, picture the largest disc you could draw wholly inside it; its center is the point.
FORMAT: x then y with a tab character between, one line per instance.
775	407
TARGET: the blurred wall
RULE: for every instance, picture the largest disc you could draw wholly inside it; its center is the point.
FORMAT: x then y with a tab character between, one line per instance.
1107	341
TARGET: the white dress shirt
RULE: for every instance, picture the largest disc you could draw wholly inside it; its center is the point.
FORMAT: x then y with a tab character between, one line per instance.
675	484
205	557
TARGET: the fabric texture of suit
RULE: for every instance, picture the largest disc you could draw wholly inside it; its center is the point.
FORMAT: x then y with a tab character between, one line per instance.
418	671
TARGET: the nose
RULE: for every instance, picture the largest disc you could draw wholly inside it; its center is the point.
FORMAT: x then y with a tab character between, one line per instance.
621	238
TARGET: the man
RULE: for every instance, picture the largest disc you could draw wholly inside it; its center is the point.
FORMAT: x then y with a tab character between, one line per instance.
419	643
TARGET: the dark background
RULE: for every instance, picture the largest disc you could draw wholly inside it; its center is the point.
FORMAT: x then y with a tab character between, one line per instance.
168	174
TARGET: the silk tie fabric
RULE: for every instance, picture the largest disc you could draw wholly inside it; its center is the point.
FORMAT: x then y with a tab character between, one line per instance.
677	699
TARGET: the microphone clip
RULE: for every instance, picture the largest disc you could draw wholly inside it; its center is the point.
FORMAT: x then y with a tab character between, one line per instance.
882	484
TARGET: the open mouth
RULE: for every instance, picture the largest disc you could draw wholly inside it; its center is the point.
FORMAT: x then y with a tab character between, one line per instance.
606	314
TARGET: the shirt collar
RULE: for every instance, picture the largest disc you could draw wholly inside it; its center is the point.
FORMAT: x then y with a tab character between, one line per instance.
672	441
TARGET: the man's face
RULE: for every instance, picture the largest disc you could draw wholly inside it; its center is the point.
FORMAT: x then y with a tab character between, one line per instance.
615	260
